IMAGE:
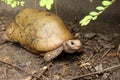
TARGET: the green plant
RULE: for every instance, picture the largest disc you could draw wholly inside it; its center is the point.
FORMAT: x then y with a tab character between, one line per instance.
46	3
91	16
94	14
14	3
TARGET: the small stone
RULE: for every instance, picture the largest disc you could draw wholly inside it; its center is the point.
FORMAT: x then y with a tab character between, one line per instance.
3	28
77	35
45	67
89	35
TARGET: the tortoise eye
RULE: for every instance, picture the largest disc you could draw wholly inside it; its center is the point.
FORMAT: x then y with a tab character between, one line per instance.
72	42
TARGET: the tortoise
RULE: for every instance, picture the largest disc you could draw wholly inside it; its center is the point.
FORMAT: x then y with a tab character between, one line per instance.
41	32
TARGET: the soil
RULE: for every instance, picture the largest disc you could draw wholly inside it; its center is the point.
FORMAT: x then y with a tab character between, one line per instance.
98	60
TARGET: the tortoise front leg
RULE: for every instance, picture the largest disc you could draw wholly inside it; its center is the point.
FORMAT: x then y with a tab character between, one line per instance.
53	54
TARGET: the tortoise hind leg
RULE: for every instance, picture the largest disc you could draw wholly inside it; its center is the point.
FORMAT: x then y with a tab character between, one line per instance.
3	37
53	54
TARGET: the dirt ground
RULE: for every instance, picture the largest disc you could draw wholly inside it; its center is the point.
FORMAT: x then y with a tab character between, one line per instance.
99	60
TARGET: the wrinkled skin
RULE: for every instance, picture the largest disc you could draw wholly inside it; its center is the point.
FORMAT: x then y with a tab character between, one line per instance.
41	32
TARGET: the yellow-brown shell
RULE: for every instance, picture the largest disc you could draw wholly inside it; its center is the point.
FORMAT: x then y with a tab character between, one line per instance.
38	30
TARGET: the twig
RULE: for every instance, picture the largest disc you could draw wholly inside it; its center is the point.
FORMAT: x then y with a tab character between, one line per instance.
45	77
98	72
56	10
90	57
105	53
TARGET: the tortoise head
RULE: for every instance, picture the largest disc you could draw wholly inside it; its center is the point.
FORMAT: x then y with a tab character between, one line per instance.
71	46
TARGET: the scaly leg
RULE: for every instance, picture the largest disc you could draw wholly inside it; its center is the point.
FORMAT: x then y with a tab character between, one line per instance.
53	54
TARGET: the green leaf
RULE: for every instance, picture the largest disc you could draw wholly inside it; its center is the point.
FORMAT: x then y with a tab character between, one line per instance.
50	2
85	18
46	3
48	6
9	1
100	12
106	3
88	17
42	3
18	2
93	13
94	18
100	8
22	3
87	22
14	4
81	21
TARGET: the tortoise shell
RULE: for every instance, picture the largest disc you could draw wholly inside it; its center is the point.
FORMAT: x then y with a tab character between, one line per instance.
38	31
